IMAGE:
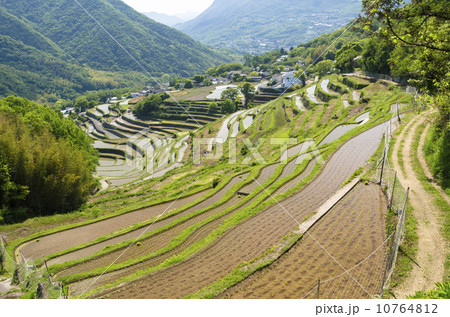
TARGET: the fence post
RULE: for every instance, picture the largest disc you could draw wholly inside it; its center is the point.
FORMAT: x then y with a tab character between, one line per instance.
390	126
406	200
318	289
2	250
403	213
393	191
48	274
382	167
398	113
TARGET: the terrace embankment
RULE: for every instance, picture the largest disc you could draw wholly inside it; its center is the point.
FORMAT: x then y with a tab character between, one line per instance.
350	233
259	233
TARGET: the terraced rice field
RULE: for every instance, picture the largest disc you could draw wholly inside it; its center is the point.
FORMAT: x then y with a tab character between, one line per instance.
210	250
67	239
337	133
324	85
310	92
148	245
259	233
160	241
350	232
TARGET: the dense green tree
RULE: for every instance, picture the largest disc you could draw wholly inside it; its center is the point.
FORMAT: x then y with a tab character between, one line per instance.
376	55
301	75
248	91
213	107
324	67
237	77
188	84
223	69
149	107
346	55
198	78
81	104
227	106
419	32
230	93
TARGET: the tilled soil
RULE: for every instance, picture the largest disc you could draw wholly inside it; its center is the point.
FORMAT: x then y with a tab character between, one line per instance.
157	241
350	232
78	288
67	239
158	224
259	233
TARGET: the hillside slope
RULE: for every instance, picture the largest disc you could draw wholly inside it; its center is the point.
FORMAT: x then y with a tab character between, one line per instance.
59	43
260	26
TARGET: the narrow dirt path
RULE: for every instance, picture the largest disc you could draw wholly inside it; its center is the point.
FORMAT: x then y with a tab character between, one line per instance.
431	245
426	169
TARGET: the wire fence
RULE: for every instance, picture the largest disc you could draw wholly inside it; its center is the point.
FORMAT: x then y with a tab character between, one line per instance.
364	280
397	197
371	277
30	278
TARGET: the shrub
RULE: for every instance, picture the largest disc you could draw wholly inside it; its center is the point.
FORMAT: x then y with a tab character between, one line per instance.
442	291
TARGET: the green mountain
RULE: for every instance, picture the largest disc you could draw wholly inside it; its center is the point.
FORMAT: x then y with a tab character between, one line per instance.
55	47
261	26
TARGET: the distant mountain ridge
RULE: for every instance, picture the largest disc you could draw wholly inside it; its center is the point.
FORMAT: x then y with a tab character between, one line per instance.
264	25
55	44
169	20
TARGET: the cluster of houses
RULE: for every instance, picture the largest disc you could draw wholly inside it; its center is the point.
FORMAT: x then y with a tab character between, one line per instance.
279	82
160	88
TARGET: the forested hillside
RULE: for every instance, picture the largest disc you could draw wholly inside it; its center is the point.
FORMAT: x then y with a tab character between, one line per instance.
417	37
261	26
46	161
55	49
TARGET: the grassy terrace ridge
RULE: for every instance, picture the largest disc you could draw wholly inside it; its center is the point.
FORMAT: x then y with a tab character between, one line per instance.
259	205
187	232
231	192
278	119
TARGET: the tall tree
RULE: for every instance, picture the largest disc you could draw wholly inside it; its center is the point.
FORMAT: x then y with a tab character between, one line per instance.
230	93
248	90
419	30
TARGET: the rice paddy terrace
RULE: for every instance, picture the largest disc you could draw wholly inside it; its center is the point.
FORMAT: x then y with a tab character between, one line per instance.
206	229
132	149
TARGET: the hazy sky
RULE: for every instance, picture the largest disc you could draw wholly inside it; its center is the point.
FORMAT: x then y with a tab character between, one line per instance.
171	7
